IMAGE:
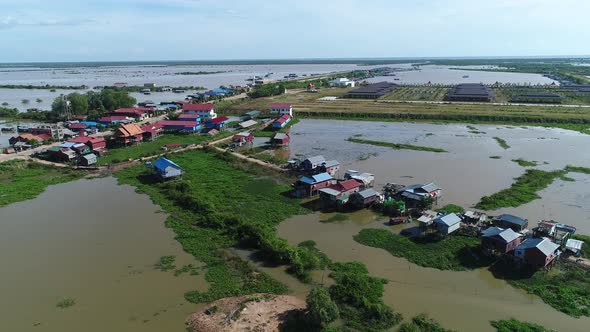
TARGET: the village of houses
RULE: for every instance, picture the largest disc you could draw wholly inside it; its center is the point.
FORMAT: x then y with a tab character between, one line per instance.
505	236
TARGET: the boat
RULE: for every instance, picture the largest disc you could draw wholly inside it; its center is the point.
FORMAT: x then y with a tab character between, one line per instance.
7	129
465	76
398	220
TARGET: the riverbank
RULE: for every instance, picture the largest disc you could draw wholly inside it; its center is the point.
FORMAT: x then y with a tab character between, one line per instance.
24	179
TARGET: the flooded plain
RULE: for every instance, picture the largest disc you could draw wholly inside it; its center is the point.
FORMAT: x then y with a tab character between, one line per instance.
95	242
177	75
466	172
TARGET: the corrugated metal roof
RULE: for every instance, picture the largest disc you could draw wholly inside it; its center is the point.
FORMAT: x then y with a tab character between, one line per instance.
368	193
430	187
162	163
248	123
316	178
331	163
449	219
280	136
543	244
574	245
316	159
330	191
512	219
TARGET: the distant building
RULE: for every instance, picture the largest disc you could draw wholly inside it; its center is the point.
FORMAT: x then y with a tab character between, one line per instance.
517	224
414	194
88	159
113	119
243	138
448	223
331	167
308	186
342	83
137	113
470	92
151	131
427	218
367	179
280	139
281	122
372	91
250	115
166	169
205	111
540	98
500	240
182	126
312	163
537	252
129	134
218	123
247	124
364	198
282	109
189	117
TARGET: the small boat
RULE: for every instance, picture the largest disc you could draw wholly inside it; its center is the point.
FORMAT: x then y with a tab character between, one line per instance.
465	76
7	129
398	220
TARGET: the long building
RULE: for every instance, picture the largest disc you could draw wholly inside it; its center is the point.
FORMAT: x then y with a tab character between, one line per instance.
470	92
372	91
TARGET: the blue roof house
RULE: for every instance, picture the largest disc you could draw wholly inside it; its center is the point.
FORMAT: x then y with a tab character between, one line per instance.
311	185
167	169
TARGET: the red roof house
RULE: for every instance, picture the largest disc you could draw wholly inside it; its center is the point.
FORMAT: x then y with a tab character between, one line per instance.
347	187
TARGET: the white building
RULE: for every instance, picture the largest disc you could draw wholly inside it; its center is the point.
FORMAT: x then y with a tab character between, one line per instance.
282	109
342	83
204	111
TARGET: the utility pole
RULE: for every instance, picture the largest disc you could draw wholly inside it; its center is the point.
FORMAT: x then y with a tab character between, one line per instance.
66	111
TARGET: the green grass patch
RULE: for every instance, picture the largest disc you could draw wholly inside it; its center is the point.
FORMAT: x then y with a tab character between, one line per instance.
522	191
65	303
567	290
218	205
567	178
513	325
21	180
451	208
395	146
502	143
189	268
525	163
422	323
455	252
147	149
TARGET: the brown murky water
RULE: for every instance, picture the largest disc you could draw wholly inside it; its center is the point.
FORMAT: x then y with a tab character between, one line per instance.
96	242
465	301
466	173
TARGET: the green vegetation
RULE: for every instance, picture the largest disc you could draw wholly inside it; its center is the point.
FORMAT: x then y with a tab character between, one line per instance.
166	263
451	253
451	208
8	112
320	307
22	180
413	93
422	323
43	87
189	268
522	191
395	146
567	291
207	224
147	149
267	90
65	303
495	157
513	325
525	163
502	143
359	297
525	188
566	178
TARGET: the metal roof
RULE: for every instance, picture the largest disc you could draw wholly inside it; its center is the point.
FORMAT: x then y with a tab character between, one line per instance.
280	136
430	187
316	159
331	163
248	123
162	163
316	178
574	245
512	219
508	235
449	219
330	191
543	244
368	193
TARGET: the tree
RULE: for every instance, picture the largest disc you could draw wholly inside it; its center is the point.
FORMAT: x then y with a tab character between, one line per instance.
78	103
320	307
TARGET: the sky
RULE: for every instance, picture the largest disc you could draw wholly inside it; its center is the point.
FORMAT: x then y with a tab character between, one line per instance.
146	30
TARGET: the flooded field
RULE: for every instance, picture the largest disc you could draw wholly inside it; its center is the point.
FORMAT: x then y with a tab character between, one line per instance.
465	301
170	75
466	172
97	243
447	75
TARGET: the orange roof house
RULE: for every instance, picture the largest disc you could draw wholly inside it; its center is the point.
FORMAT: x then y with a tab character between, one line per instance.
129	133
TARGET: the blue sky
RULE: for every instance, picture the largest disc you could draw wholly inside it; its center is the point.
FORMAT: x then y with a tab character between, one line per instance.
102	30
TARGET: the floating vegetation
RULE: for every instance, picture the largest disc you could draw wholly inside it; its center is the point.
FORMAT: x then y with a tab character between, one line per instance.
502	143
525	163
395	146
65	303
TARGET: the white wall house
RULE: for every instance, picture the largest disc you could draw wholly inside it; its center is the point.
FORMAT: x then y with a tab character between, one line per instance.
204	111
341	82
281	109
